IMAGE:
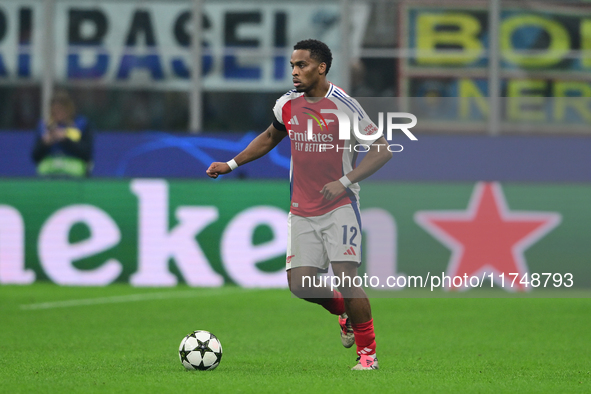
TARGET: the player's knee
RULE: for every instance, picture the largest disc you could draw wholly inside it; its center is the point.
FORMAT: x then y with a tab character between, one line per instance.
349	286
298	289
292	286
347	289
353	292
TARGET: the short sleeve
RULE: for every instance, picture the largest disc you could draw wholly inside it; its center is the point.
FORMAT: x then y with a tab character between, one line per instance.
279	126
277	110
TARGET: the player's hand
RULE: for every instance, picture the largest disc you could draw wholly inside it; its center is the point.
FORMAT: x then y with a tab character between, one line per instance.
332	189
217	168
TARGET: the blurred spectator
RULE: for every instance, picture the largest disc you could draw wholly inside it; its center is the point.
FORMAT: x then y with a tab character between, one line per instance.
64	142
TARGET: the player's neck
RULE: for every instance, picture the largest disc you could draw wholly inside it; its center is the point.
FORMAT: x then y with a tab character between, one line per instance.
318	91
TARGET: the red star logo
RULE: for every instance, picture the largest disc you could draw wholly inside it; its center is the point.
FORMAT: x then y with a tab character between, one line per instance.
488	237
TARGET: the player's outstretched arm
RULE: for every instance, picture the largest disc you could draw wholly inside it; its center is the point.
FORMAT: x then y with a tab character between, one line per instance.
377	156
258	147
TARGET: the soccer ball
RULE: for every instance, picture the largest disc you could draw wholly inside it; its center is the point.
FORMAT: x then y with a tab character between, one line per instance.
200	350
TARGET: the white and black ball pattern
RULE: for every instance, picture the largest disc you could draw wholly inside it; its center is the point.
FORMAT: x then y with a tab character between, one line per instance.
200	350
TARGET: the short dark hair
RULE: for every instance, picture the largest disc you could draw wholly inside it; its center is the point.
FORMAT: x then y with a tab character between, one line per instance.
318	51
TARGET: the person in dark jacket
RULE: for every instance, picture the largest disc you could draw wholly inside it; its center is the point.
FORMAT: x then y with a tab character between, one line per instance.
64	142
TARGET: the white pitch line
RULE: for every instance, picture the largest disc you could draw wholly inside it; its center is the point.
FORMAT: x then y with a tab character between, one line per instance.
127	298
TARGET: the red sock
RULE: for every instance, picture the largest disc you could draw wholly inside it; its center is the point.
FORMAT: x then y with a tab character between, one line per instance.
365	338
336	304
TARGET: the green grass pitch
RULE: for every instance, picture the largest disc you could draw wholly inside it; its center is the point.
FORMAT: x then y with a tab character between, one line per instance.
124	339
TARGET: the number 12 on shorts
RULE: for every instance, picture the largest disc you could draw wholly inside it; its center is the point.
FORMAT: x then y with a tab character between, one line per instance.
353	231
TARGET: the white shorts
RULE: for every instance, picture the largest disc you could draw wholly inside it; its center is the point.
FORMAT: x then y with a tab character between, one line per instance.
319	240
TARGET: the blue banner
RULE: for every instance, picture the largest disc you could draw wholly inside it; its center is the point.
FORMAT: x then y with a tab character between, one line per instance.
431	158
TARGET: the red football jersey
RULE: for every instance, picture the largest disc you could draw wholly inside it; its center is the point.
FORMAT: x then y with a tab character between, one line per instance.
324	157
